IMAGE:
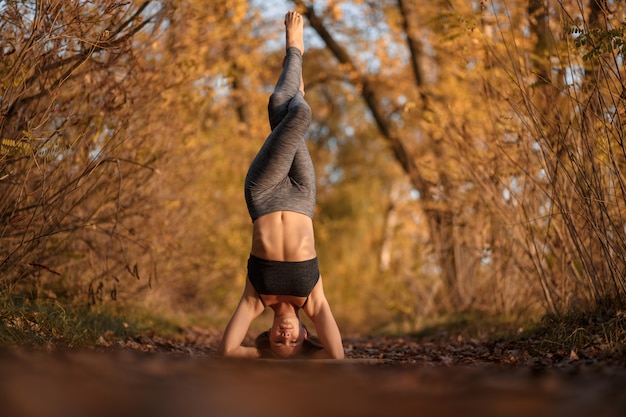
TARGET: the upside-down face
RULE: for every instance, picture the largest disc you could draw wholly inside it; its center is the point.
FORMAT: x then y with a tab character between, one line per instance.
286	336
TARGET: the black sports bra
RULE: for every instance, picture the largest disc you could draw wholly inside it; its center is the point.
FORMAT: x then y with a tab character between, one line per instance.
283	278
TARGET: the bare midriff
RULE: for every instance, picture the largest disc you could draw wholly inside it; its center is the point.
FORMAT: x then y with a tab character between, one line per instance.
284	236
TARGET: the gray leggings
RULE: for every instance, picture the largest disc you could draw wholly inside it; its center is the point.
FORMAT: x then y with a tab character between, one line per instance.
281	176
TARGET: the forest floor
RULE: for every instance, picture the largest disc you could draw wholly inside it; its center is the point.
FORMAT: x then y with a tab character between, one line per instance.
444	375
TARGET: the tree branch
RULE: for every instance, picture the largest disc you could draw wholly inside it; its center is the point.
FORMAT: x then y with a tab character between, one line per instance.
370	96
79	59
415	46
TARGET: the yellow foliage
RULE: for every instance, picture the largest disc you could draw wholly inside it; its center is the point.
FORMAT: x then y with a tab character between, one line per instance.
19	145
240	11
186	96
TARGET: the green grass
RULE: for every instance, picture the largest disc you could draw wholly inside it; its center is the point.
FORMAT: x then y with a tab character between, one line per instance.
600	332
40	323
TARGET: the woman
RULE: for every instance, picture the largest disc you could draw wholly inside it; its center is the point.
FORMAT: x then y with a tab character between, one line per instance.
283	272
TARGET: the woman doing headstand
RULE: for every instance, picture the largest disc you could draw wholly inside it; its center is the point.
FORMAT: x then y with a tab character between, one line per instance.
283	271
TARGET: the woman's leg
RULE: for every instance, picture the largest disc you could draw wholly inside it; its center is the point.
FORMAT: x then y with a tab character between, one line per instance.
273	163
284	159
289	116
290	80
287	86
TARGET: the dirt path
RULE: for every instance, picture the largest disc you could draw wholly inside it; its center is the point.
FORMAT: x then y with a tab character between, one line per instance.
382	377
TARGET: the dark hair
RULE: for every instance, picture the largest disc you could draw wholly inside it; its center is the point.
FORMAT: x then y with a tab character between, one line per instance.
310	345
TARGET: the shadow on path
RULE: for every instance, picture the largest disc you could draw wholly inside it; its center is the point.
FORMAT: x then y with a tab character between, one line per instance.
129	383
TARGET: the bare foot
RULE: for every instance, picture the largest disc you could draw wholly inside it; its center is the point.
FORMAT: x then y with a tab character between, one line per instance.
295	30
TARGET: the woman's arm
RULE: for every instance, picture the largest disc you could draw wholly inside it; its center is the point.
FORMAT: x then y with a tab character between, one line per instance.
319	312
248	309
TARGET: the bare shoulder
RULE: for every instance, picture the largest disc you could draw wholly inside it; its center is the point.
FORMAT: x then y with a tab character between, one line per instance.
251	298
317	300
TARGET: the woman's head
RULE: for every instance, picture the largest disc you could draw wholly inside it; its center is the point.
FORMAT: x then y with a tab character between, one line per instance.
287	335
287	338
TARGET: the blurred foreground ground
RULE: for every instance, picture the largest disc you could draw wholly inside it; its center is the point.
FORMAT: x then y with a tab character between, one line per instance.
382	377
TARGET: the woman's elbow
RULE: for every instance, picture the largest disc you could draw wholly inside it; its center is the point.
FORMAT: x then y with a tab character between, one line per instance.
223	351
338	355
329	354
238	352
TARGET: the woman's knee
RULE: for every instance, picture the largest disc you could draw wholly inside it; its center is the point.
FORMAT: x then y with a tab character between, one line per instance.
278	98
301	110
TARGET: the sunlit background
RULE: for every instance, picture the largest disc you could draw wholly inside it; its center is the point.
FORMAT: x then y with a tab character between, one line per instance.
469	155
